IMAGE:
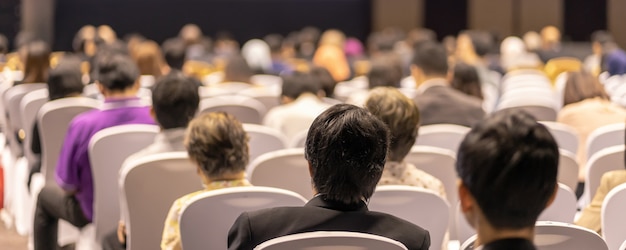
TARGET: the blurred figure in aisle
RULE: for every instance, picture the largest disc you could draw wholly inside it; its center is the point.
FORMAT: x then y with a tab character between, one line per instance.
607	55
551	44
331	56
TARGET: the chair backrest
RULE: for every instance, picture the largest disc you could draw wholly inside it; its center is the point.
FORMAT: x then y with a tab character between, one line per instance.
30	105
566	137
604	137
613	217
568	169
404	201
448	136
563	209
623	246
108	149
550	235
54	118
605	160
541	113
270	170
439	163
263	140
245	109
12	99
298	140
266	80
205	221
145	201
269	100
338	240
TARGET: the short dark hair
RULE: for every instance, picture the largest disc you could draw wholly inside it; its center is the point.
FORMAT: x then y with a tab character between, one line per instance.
175	100
602	37
384	72
116	71
466	80
174	51
509	164
400	114
298	83
432	58
482	41
346	147
218	144
327	83
65	79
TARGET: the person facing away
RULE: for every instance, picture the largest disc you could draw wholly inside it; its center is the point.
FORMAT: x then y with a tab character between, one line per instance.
402	117
301	103
72	199
175	102
507	167
346	149
437	101
217	143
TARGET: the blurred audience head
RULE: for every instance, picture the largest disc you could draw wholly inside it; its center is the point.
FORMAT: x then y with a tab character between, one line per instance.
237	70
190	33
174	53
472	45
465	79
384	72
116	73
175	100
217	143
532	40
582	85
326	80
507	166
430	60
346	148
551	37
36	59
149	59
400	114
65	79
258	55
298	83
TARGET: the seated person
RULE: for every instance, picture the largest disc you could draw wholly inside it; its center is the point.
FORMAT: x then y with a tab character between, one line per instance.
346	149
437	101
72	198
402	117
174	103
507	166
301	103
218	145
383	73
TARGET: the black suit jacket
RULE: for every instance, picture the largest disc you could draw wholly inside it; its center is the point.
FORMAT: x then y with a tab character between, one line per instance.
254	228
510	244
442	104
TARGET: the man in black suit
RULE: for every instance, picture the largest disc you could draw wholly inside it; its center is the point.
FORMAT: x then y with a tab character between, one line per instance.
507	165
346	148
437	101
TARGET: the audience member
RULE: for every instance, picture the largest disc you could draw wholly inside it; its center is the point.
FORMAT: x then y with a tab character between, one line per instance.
586	107
613	58
257	54
326	80
472	48
437	101
174	53
72	199
384	72
551	44
84	43
465	79
513	55
532	41
331	56
175	102
279	65
65	80
507	166
218	145
36	59
590	217
301	103
150	60
402	117
344	178
4	48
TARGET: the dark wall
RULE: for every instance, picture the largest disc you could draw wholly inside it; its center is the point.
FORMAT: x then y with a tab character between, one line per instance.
9	18
445	17
581	18
245	19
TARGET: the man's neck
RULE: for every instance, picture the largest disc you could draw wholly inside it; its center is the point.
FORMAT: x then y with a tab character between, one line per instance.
487	234
120	94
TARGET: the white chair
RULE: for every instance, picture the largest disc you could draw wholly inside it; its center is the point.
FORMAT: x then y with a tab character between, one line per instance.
12	99
337	240
269	100
299	140
245	109
613	217
623	246
30	105
108	149
263	140
551	235
566	137
540	112
563	209
404	201
205	221
568	169
604	137
266	80
605	160
286	169
448	136
439	163
145	201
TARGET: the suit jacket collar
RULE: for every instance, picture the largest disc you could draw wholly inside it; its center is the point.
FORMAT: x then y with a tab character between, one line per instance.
319	201
436	82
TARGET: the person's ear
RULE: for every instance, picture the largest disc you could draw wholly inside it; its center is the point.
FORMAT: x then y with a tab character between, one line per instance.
285	100
152	113
465	197
553	196
417	74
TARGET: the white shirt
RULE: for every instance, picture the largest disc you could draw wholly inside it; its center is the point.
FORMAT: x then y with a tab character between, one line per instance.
295	117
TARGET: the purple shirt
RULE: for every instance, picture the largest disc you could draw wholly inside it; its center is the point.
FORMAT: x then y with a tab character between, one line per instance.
73	171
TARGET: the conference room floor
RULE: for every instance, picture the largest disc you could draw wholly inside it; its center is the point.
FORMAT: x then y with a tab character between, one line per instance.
9	239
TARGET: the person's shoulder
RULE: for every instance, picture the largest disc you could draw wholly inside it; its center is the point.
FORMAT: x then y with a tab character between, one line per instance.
615	177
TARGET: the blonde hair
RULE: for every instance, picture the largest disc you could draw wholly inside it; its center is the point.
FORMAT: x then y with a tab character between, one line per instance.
218	144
